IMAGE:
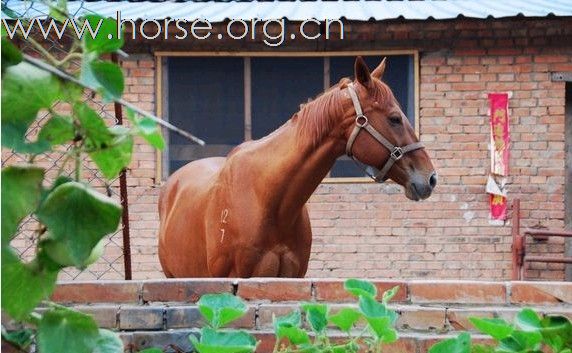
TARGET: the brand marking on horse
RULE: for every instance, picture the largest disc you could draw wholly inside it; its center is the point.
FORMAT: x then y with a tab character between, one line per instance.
223	217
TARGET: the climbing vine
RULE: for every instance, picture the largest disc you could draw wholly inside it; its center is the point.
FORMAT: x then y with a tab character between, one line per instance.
292	336
73	217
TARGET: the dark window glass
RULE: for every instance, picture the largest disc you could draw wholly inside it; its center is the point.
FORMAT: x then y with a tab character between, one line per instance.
206	98
279	86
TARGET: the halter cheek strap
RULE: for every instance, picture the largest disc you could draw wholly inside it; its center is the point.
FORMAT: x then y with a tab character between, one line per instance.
362	123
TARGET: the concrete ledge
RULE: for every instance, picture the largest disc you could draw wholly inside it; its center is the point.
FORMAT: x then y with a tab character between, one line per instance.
324	290
162	313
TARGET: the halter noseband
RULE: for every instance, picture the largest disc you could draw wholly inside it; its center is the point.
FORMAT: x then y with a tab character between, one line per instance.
362	122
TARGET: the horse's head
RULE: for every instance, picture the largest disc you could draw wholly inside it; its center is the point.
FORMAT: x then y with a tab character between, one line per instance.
379	135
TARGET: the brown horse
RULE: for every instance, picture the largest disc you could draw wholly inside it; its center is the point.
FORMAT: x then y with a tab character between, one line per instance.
245	215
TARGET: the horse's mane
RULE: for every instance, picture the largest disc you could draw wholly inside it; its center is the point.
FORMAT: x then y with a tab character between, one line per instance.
317	117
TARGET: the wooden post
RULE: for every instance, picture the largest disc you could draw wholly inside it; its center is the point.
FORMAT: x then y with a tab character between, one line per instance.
516	242
123	195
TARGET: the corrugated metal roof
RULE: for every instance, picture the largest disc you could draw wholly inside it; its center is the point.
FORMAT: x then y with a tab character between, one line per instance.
360	10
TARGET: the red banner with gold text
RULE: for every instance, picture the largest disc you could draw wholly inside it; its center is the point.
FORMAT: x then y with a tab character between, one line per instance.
500	141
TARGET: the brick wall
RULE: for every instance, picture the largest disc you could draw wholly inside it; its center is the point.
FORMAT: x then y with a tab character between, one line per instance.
372	230
142	187
163	313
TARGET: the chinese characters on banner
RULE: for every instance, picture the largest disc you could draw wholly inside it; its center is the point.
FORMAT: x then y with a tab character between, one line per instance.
499	145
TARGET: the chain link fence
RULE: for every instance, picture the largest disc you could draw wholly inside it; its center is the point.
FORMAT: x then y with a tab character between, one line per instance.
111	263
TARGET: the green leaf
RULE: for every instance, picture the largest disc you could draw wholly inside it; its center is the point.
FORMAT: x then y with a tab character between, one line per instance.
10	54
345	318
529	340
58	130
389	294
62	179
111	152
351	347
292	319
288	326
295	335
65	330
382	328
93	127
359	287
557	332
108	342
496	328
460	344
221	309
86	75
371	308
106	40
25	90
148	129
21	192
528	320
151	350
316	315
23	285
379	317
109	77
520	341
113	158
58	10
213	341
78	217
479	348
20	338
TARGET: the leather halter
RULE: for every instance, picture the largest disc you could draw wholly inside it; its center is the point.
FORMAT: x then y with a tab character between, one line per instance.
362	123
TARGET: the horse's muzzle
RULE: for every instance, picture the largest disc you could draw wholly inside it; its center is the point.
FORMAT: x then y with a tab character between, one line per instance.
420	187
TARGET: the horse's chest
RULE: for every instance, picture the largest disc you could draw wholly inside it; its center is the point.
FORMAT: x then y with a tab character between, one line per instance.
243	242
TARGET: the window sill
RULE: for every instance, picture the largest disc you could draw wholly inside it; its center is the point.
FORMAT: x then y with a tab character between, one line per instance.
348	180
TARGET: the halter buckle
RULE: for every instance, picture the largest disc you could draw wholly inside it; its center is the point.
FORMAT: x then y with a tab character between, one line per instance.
361	120
397	153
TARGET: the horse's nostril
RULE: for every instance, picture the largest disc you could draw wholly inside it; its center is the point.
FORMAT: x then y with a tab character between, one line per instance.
433	180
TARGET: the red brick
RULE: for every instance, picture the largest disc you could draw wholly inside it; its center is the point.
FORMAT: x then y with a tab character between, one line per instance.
333	290
106	316
184	290
266	341
420	318
540	292
141	318
402	345
183	317
267	311
275	289
97	292
458	318
457	292
426	342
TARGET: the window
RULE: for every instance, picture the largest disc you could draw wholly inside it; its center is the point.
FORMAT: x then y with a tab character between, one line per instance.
207	98
227	100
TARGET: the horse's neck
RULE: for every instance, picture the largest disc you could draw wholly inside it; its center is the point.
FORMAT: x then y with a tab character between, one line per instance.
289	167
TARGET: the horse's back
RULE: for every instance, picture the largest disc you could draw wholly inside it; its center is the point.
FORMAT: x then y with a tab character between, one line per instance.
196	174
181	206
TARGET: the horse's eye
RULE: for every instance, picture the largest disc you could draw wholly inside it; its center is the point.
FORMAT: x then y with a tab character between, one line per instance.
395	120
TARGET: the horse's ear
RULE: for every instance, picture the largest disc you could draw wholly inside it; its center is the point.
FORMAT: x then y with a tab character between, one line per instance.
379	70
362	73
